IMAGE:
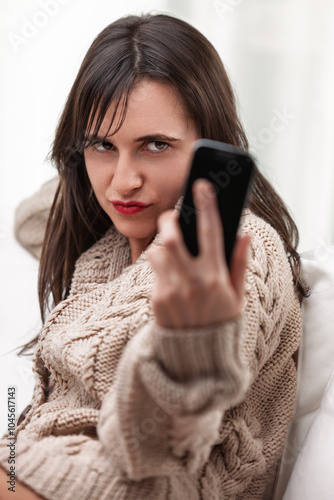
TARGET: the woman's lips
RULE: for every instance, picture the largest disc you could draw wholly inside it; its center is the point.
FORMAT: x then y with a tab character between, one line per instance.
122	209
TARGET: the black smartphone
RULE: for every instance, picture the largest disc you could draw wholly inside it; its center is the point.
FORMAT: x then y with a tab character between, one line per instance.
230	169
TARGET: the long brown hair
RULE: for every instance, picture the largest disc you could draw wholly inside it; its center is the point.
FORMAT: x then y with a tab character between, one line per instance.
157	47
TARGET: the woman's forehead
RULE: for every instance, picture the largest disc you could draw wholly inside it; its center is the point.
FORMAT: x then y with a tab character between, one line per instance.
147	100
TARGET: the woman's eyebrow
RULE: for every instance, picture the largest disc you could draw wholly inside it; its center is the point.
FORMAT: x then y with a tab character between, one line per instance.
156	137
144	138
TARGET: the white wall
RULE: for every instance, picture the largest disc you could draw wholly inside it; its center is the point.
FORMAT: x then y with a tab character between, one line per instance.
280	54
280	57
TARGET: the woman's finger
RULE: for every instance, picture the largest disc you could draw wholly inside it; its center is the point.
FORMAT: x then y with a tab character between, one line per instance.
163	267
209	225
166	311
172	238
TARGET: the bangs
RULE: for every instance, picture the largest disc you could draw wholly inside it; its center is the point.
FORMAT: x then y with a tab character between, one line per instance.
97	114
102	85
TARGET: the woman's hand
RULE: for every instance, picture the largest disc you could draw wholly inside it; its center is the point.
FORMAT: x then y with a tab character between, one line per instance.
197	291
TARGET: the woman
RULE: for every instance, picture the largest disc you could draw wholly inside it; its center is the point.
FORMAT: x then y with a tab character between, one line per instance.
159	375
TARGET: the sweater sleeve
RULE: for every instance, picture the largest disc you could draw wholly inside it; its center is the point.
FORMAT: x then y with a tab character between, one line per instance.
31	217
174	387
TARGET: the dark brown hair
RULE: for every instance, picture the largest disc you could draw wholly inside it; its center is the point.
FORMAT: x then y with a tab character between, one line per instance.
133	48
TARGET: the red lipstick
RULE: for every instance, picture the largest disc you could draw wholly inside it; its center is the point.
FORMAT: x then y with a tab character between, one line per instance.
129	207
129	203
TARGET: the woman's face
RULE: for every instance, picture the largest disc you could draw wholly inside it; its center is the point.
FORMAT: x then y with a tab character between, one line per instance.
147	160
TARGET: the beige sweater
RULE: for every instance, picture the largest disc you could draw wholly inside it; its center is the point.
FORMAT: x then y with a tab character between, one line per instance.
125	409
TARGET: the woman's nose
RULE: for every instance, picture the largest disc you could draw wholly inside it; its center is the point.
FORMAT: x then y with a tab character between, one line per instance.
126	175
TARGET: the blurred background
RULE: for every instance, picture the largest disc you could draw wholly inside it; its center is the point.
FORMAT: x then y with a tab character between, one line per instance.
279	55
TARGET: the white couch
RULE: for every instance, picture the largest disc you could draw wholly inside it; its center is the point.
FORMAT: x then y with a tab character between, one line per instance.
307	466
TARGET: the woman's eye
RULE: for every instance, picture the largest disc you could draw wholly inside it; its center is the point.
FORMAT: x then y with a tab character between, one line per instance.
157	146
103	146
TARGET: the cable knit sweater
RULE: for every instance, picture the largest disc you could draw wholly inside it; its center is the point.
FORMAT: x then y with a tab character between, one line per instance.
125	409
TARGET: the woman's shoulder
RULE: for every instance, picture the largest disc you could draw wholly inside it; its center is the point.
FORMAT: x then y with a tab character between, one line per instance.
268	256
250	222
264	235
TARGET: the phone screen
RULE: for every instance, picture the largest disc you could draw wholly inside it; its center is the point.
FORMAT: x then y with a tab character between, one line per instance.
230	170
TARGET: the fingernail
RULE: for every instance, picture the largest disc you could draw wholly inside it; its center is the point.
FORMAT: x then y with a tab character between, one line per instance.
210	189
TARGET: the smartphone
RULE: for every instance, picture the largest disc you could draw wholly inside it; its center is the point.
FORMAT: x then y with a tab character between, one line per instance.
231	170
